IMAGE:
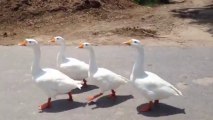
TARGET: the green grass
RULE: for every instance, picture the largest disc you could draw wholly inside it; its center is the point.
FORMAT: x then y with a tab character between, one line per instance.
147	2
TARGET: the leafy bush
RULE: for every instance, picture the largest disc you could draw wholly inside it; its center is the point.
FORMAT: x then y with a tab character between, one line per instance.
147	2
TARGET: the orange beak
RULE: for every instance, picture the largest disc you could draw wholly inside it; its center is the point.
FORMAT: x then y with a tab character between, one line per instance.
128	42
52	40
81	45
23	43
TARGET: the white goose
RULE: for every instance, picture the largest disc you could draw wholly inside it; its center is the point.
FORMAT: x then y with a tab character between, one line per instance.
105	79
51	81
149	84
72	67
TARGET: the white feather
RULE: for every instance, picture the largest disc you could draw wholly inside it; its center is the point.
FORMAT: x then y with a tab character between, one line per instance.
51	81
149	84
101	77
72	67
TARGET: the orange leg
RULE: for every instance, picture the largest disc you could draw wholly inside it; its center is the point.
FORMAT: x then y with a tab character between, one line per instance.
70	96
46	105
85	83
147	107
91	98
113	95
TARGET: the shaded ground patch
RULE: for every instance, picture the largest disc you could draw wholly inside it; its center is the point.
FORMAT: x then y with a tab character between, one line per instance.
200	15
64	105
162	110
105	101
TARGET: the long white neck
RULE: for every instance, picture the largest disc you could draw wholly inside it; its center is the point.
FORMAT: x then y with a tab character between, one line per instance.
138	68
36	69
92	62
61	55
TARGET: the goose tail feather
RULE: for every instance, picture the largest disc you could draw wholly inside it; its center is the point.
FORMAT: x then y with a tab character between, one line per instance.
178	92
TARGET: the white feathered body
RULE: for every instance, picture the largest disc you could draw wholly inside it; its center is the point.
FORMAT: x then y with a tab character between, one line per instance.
74	68
154	88
53	82
106	79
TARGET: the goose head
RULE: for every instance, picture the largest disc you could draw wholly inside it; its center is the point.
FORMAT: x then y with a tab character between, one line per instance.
85	45
58	39
29	43
134	43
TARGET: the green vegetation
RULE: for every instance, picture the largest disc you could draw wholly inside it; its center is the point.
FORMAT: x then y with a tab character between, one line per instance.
147	2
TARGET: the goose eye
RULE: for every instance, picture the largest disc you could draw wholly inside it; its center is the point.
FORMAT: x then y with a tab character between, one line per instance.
135	41
30	42
86	44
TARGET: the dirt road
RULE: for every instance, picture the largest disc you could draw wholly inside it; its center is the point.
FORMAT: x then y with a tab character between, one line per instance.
183	24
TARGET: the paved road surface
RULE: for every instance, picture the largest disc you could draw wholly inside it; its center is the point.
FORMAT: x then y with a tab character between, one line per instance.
189	69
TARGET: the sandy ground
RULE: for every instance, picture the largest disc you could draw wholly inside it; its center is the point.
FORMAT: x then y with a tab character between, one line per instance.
182	24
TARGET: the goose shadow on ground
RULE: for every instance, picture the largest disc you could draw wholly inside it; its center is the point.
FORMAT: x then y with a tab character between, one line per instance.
161	110
105	101
84	89
63	105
